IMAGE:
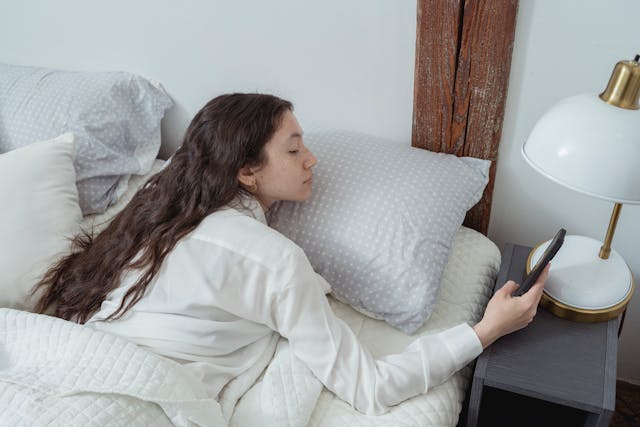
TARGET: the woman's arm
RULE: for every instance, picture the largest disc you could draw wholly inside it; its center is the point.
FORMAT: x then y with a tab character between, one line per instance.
333	353
291	301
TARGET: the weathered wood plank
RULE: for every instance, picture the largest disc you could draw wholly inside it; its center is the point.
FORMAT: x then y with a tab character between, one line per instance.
463	58
437	42
482	80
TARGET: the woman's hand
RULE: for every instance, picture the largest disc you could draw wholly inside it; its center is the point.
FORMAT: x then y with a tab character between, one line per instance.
505	314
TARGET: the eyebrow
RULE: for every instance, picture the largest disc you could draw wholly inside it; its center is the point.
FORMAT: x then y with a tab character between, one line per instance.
295	135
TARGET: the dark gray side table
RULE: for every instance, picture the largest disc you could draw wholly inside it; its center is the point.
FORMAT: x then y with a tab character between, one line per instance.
553	372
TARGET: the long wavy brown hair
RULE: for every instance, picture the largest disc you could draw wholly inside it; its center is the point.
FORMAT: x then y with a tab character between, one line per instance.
228	133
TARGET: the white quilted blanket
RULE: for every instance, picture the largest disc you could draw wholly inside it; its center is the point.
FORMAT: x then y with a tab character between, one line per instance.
57	373
54	372
289	395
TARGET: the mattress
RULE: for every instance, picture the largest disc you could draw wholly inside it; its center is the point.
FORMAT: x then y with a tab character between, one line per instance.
467	285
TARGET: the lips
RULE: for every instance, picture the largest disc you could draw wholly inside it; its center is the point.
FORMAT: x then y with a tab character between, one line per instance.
309	181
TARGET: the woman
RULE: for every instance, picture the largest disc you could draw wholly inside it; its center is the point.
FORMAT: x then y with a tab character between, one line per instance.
190	269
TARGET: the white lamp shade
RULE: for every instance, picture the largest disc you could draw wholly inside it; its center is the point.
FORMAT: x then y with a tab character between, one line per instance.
589	146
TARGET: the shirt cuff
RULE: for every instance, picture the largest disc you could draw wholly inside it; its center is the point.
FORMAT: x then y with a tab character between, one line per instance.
463	344
446	352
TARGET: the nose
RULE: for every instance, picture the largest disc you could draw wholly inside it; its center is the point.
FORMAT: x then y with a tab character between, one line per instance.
310	161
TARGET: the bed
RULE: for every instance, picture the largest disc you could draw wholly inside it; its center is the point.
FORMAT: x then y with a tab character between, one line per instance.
55	372
281	391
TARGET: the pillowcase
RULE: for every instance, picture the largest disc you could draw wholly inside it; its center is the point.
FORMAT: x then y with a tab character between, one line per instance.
381	221
115	118
96	223
39	214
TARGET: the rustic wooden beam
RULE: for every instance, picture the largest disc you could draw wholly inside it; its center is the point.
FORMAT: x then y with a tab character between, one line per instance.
437	42
463	58
482	79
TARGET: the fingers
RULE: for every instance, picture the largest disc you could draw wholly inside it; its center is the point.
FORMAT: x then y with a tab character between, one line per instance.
536	290
509	287
544	275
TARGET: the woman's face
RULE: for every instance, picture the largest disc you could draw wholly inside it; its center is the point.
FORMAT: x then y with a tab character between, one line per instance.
287	173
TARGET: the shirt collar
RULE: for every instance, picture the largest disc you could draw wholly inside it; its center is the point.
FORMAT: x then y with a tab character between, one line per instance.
249	206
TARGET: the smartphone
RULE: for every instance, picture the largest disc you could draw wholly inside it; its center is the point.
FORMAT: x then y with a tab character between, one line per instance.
537	269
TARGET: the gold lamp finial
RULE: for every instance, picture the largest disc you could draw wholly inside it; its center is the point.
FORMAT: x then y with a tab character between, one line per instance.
623	89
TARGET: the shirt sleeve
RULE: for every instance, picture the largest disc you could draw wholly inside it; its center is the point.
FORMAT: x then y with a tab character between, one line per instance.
301	313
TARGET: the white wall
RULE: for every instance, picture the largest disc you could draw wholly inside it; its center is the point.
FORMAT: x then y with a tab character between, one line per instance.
564	48
346	64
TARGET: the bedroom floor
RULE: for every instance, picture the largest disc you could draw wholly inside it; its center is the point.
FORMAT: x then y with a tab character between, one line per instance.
627	405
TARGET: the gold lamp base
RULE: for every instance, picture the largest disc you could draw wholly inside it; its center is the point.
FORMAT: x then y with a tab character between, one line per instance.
583	287
581	315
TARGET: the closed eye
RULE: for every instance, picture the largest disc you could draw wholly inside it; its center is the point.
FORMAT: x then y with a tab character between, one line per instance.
293	151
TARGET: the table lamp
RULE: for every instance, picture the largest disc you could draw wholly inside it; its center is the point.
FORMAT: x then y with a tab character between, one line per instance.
591	144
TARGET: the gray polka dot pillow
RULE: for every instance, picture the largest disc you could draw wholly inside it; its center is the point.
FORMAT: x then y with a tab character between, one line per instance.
381	221
114	116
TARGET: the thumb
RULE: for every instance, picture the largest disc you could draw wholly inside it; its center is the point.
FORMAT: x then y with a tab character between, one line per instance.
509	287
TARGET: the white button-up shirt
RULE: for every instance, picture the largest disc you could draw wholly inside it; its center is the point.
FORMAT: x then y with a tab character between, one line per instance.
227	287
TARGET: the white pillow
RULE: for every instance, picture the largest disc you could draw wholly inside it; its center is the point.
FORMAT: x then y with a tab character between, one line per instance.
40	211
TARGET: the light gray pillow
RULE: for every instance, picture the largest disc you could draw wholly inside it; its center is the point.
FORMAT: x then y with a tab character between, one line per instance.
114	116
381	221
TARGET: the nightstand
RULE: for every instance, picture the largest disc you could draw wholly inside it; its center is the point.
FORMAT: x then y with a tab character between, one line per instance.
554	372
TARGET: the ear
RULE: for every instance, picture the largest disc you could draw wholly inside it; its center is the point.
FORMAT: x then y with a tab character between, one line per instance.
246	176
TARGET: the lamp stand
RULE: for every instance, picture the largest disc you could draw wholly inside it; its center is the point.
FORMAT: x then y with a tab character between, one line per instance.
605	250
